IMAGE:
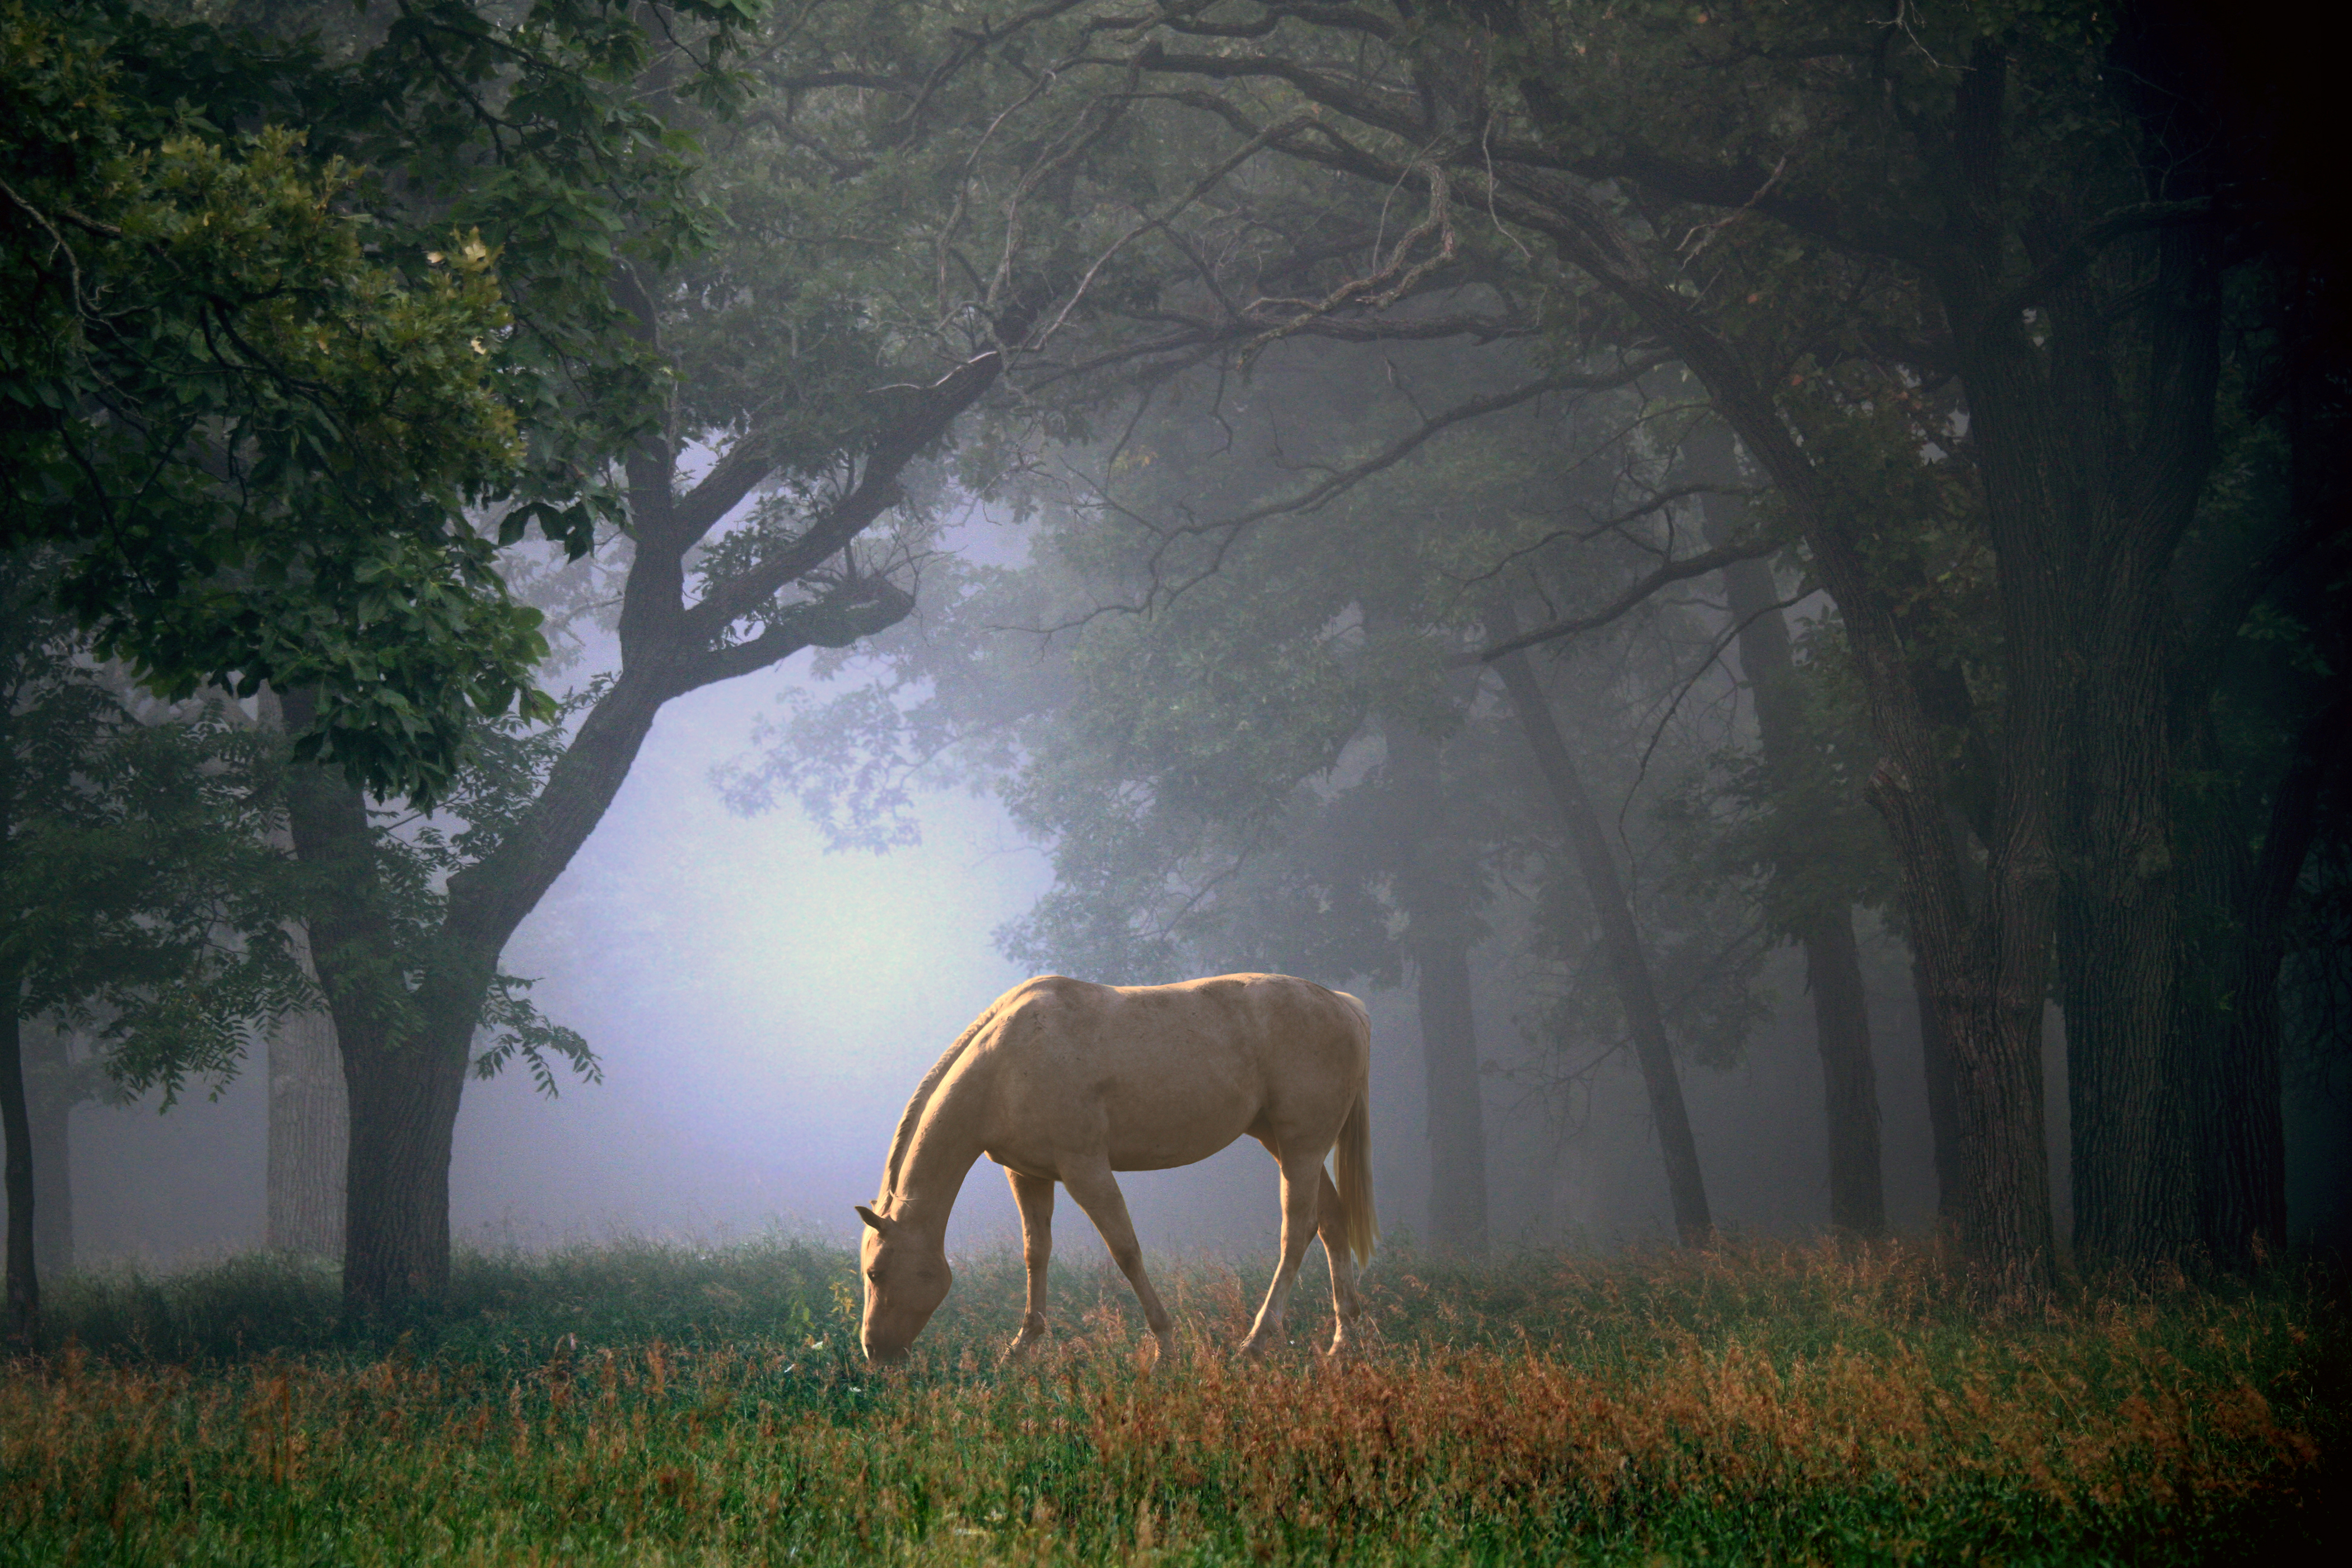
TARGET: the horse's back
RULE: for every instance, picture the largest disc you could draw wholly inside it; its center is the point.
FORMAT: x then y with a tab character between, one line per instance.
1167	1075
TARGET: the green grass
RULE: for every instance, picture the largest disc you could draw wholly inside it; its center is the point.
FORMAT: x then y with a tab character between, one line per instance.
647	1404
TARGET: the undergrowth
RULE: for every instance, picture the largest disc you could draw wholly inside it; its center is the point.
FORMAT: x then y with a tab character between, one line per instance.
649	1404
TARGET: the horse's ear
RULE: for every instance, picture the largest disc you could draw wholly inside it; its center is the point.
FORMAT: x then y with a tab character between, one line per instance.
878	1222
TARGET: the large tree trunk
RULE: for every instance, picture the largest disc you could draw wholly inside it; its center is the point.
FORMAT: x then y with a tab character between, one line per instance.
49	1098
2092	469
1833	959
1437	906
404	1096
1983	963
1943	1098
2129	1069
310	1131
402	1084
1629	966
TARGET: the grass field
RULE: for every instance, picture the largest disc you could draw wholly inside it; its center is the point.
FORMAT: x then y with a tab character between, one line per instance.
644	1403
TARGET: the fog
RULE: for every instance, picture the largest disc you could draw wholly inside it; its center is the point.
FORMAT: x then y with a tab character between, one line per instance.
763	1007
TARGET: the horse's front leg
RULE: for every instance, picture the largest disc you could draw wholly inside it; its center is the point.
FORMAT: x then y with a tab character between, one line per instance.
1035	1194
1302	1181
1097	1193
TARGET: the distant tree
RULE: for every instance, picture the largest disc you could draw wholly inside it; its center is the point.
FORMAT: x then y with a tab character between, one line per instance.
62	1073
138	901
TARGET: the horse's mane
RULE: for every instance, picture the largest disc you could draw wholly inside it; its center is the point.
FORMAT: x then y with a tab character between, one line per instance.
912	1117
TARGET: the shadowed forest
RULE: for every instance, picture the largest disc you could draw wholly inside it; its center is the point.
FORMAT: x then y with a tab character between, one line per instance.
582	583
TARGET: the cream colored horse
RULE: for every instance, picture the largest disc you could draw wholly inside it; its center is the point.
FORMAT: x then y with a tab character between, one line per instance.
1064	1082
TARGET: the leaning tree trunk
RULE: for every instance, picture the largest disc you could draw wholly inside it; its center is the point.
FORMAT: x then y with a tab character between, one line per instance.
49	1098
1439	939
1825	930
1629	966
310	1130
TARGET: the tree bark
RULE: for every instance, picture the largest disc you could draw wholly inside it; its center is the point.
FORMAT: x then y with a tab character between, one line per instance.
1849	1077
1825	930
49	1098
401	1083
1438	936
1943	1098
2129	1066
1629	966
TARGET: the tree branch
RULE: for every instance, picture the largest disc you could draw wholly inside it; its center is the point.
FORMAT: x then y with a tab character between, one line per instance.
835	621
1673	572
930	411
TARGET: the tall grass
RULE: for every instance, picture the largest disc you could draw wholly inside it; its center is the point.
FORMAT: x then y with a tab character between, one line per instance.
642	1403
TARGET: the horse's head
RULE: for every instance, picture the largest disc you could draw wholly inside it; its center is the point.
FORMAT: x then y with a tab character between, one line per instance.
907	1278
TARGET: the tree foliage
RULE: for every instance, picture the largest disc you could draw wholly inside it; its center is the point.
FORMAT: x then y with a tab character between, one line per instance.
286	315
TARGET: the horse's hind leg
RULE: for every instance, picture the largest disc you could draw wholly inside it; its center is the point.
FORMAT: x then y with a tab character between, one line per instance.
1332	1226
1302	1179
1096	1192
1035	1194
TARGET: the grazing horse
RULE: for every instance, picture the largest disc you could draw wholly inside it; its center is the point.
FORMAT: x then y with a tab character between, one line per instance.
1064	1082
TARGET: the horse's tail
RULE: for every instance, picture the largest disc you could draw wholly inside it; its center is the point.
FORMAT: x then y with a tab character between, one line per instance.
1353	1158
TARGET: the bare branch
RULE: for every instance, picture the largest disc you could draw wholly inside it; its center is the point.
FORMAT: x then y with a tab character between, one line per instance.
1673	572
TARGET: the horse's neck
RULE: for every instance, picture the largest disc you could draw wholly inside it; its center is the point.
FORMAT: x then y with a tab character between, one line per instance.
946	1146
